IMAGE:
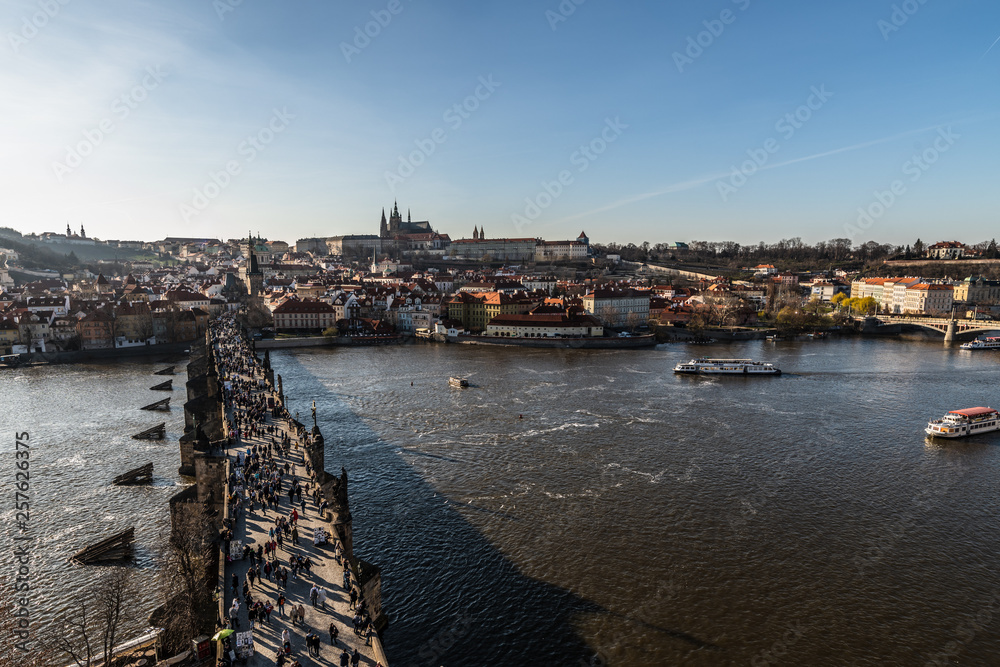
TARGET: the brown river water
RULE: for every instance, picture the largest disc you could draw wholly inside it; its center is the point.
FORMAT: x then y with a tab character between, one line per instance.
589	507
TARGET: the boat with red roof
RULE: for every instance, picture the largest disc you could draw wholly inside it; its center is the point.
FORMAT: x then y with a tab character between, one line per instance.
960	423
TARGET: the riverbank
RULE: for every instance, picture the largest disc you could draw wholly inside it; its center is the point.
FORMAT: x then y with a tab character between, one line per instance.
106	354
630	342
326	341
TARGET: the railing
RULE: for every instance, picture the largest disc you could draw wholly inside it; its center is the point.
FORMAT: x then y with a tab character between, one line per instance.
937	322
221	582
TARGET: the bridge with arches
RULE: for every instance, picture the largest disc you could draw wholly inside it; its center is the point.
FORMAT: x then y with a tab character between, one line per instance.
950	328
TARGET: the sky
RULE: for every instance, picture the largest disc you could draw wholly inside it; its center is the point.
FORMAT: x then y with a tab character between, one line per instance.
632	121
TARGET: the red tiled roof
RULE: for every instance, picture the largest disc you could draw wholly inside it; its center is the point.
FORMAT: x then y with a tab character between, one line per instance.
972	412
293	306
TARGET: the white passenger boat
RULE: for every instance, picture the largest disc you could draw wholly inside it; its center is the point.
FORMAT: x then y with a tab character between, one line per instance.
458	382
705	366
960	423
982	343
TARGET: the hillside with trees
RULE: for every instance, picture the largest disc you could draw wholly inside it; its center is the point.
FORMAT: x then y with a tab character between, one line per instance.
34	254
787	254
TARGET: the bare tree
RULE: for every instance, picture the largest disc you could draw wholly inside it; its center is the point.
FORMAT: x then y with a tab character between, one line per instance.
18	646
144	328
170	318
187	588
116	607
609	315
75	641
103	614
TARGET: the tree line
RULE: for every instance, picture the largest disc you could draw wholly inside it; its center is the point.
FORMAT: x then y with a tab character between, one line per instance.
791	252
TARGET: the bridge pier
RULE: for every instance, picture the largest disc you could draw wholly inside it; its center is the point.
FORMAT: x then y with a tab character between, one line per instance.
949	333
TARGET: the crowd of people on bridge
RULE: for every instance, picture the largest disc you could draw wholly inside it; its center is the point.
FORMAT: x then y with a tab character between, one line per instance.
260	473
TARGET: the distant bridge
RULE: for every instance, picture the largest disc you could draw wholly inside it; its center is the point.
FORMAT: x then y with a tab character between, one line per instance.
951	329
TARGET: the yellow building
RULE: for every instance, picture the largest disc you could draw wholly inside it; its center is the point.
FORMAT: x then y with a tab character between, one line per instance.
475	310
10	335
978	291
133	323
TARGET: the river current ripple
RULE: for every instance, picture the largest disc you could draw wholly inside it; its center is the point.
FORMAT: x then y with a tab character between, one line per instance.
585	506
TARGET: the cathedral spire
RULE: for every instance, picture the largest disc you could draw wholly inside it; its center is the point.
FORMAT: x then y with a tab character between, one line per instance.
475	232
408	215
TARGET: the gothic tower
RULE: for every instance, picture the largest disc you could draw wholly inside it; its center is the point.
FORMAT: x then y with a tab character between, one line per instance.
253	276
395	220
384	228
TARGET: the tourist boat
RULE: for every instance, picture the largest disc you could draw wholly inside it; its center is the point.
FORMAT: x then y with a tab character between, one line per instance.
982	343
11	361
705	366
458	382
960	423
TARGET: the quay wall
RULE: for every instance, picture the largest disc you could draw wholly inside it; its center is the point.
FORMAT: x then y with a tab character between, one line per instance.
561	343
76	356
318	341
666	270
681	334
282	343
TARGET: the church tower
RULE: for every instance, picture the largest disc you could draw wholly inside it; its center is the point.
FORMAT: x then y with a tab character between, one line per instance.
475	233
252	275
395	220
384	228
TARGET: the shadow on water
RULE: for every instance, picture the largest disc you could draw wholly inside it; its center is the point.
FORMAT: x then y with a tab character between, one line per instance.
451	596
414	452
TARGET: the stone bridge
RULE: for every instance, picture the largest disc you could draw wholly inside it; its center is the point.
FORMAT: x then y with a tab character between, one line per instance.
951	328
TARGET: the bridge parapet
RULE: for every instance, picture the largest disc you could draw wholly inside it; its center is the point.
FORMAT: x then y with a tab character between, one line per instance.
942	325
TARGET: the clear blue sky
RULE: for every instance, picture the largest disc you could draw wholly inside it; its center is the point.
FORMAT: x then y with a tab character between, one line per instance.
331	122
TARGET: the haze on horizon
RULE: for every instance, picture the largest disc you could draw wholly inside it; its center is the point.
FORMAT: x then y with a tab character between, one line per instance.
147	119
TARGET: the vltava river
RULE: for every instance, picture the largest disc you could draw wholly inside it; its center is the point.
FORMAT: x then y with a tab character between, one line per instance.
574	507
80	419
589	507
